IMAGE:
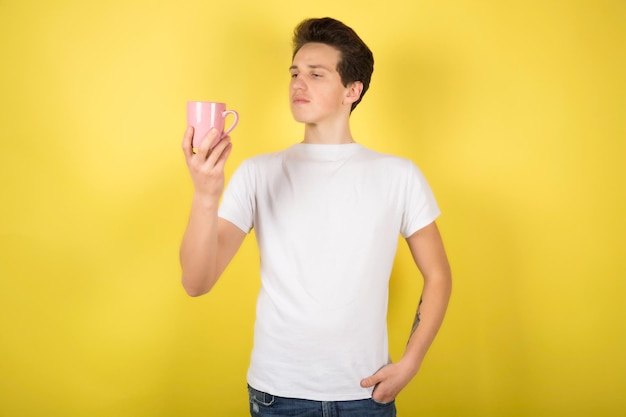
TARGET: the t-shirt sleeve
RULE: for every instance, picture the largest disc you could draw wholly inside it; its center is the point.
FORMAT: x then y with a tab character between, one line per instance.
420	207
238	202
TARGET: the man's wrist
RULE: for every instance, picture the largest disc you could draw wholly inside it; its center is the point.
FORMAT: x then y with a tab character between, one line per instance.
411	363
205	202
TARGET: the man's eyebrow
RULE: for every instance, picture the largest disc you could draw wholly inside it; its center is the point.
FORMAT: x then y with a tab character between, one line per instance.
295	67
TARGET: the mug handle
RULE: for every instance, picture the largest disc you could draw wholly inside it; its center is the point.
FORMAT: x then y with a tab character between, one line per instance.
232	126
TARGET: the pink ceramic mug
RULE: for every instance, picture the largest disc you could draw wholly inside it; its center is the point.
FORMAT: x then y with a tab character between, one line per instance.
204	115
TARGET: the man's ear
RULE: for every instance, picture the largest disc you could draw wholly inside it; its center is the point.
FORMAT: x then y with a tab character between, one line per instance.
353	92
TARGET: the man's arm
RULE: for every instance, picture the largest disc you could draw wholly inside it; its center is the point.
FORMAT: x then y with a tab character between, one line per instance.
209	243
208	246
430	257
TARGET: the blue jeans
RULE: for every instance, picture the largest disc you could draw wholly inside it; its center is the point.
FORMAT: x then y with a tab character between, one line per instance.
267	405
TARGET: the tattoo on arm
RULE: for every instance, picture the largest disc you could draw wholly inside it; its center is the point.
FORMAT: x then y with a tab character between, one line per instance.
416	322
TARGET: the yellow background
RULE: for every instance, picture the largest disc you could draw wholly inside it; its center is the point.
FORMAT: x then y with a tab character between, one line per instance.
515	111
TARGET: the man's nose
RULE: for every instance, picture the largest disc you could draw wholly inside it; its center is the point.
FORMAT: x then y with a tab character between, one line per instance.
298	84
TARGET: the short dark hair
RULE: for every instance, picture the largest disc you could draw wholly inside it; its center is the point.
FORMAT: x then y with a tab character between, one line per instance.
356	62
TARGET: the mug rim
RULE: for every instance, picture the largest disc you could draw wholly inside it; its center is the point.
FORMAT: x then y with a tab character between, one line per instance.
204	101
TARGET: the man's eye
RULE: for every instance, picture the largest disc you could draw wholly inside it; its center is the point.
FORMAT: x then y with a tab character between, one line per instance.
294	75
314	75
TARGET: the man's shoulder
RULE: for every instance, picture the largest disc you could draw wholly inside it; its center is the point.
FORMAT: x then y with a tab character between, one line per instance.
384	158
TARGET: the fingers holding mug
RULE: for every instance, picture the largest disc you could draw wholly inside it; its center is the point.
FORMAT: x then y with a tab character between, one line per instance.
206	143
187	142
219	154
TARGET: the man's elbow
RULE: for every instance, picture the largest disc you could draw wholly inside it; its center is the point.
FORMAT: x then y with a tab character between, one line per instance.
194	289
193	292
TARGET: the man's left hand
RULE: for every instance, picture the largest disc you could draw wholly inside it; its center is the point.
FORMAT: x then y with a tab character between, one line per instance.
389	381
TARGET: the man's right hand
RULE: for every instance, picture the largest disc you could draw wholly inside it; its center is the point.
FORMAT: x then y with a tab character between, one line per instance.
206	166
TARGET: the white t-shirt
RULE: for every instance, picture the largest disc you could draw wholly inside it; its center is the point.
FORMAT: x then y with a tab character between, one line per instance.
327	220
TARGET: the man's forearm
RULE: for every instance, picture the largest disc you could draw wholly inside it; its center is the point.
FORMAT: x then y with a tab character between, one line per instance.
428	319
198	250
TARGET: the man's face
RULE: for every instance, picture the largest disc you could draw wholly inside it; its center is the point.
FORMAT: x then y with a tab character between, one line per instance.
315	91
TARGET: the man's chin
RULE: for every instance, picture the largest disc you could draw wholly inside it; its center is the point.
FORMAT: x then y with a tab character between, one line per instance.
300	118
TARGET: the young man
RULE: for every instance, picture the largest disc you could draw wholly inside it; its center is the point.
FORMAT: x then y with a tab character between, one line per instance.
327	213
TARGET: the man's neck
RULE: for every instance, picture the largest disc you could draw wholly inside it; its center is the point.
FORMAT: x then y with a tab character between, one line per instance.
327	135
